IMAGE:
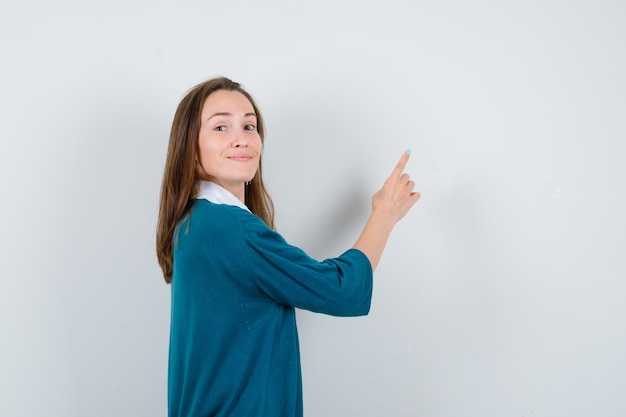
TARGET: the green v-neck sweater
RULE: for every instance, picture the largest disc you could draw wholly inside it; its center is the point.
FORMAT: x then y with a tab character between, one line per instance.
233	338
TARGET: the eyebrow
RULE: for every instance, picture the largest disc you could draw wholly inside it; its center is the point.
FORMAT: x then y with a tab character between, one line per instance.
230	114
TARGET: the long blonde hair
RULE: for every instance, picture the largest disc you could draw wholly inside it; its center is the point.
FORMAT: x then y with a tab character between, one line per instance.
179	186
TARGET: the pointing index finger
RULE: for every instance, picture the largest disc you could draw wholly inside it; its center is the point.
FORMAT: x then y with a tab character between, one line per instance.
397	171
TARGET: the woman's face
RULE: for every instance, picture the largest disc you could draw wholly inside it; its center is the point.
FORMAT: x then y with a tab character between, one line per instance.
229	143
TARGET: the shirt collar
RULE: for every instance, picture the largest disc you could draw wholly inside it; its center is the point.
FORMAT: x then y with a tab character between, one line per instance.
219	195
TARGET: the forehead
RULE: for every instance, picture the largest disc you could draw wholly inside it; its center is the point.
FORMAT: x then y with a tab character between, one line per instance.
225	101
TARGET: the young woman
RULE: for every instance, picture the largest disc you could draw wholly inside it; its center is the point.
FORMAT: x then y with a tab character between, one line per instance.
235	281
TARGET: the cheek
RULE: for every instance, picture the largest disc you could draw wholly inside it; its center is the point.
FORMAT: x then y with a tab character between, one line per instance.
207	152
258	143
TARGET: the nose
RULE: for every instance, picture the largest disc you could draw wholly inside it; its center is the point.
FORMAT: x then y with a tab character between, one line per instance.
240	140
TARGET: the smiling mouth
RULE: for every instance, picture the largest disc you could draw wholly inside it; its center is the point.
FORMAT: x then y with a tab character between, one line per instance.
241	158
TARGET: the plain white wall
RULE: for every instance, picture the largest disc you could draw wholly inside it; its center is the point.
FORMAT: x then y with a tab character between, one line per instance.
501	294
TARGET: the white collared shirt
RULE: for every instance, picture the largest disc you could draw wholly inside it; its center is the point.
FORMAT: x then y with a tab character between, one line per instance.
219	195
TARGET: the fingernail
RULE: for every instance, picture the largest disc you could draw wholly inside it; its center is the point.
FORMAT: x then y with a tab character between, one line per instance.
408	152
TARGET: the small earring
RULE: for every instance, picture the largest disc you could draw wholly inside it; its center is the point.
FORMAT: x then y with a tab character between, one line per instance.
248	182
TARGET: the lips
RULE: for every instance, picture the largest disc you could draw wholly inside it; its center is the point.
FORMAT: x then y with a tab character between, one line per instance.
240	157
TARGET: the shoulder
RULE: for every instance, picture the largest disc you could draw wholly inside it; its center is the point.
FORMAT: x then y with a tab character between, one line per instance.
210	223
205	212
209	219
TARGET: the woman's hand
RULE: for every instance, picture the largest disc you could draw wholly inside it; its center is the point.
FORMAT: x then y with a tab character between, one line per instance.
389	205
396	196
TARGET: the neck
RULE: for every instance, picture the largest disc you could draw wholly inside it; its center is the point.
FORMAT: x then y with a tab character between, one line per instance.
237	189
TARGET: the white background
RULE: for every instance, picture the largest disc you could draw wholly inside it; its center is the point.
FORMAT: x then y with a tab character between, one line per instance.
501	294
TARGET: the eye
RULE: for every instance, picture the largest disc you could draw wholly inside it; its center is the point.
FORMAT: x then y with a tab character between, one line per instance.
250	127
220	128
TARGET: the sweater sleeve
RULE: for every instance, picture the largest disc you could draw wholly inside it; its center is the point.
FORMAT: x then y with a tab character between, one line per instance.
339	286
